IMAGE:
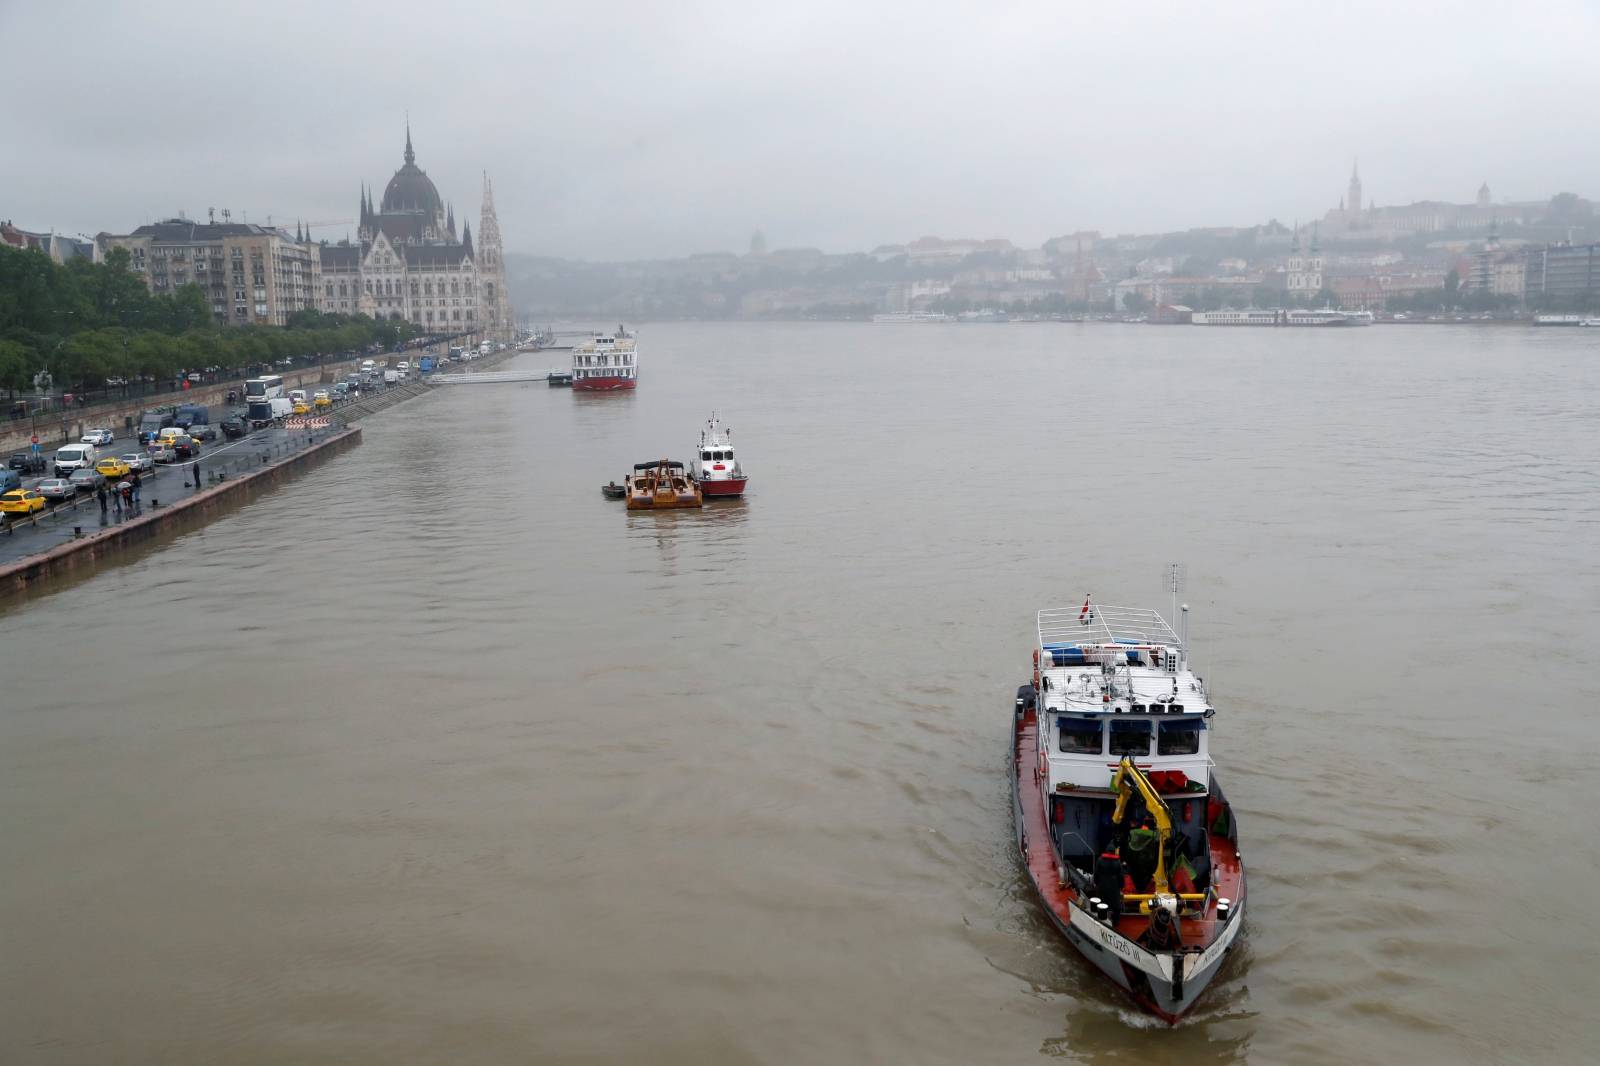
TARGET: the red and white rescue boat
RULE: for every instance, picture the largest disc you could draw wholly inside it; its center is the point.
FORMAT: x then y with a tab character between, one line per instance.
714	465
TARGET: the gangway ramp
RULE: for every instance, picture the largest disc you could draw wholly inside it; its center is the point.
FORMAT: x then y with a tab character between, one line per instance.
489	377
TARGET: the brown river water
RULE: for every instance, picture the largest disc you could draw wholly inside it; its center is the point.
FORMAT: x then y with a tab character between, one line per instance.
435	756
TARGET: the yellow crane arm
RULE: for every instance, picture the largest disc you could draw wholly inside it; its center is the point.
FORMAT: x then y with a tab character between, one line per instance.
1128	772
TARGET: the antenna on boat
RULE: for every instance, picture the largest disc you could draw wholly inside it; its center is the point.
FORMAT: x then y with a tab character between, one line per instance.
1177	581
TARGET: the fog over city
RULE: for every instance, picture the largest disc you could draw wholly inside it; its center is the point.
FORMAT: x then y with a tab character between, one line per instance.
617	131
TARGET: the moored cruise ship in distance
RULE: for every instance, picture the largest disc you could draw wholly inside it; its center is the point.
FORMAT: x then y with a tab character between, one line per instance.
912	316
605	362
1326	316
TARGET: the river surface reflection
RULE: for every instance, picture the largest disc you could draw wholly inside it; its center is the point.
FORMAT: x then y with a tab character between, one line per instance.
435	755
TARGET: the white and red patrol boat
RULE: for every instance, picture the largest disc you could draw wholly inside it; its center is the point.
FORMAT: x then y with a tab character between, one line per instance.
605	362
1122	825
714	466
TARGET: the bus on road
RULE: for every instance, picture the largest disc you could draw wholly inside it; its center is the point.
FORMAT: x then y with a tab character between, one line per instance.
259	390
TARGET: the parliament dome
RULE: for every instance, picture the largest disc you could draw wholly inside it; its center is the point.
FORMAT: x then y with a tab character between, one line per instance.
411	190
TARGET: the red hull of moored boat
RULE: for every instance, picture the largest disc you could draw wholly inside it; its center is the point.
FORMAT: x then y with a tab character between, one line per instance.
730	487
603	384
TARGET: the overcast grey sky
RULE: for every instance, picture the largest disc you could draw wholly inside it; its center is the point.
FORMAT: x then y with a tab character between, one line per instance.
616	130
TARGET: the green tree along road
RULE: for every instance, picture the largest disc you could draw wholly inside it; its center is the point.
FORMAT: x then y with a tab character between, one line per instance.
86	324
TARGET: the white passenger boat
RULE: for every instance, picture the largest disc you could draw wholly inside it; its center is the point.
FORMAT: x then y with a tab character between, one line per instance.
1121	822
605	362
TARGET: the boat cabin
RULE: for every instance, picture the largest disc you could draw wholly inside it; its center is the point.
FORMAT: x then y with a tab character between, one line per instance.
1115	683
604	355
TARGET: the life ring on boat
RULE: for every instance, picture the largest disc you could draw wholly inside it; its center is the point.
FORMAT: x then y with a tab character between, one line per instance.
1042	771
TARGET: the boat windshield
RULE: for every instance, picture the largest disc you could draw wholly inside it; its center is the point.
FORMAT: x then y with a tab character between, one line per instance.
1180	736
1130	738
1079	735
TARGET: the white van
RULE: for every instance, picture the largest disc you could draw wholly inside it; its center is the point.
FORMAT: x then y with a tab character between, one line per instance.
297	395
75	457
367	364
391	376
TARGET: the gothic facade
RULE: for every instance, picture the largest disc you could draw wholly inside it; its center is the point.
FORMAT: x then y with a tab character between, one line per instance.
409	263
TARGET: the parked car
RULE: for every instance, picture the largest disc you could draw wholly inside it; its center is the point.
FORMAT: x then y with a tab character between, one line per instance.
161	452
96	436
113	469
57	488
21	502
186	447
233	428
138	461
86	479
202	432
27	462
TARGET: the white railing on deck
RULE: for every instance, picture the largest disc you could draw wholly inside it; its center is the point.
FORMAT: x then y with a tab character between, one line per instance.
1104	625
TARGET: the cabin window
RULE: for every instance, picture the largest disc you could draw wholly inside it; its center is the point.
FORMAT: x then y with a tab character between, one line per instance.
1130	738
717	456
1079	735
1180	736
706	456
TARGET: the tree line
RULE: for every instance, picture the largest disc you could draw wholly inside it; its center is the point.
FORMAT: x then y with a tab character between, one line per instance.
86	324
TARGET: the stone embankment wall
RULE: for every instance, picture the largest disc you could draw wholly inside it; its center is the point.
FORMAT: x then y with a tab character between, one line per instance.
193	510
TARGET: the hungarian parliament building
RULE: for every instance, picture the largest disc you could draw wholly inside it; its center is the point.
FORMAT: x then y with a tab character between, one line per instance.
409	263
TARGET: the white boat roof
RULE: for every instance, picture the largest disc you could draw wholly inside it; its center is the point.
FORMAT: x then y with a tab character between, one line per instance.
1097	659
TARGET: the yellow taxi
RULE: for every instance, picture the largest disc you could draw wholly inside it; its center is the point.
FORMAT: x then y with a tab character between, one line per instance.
300	408
21	501
322	399
170	434
112	469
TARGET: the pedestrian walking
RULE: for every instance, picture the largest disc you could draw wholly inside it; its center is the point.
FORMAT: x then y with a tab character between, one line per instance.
126	488
197	473
136	485
116	501
100	494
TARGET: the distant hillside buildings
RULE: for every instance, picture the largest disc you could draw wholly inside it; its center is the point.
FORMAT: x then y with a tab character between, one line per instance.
1357	219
